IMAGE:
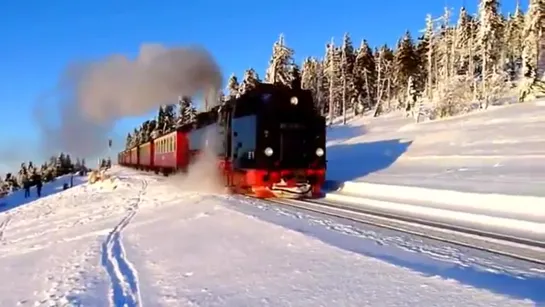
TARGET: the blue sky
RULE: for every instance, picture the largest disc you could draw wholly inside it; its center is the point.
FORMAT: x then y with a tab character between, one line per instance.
42	37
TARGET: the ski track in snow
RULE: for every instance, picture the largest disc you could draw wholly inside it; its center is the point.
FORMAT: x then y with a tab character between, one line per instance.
124	289
4	226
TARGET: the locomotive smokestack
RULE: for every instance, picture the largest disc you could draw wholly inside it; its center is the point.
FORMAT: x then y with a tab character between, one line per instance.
92	97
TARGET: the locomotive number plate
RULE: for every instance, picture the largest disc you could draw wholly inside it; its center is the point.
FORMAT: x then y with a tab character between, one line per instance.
291	126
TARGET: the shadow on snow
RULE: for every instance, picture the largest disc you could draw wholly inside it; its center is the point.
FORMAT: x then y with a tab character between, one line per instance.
348	162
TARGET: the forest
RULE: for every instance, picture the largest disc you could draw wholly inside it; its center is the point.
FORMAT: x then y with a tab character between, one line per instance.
452	67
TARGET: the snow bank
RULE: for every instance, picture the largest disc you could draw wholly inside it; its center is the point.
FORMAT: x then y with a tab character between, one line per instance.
530	207
521	217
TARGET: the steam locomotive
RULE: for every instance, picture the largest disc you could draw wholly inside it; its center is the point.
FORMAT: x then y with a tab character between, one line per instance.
269	142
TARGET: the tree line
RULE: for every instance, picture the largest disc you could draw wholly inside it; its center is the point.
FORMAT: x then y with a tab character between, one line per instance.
169	117
453	67
48	171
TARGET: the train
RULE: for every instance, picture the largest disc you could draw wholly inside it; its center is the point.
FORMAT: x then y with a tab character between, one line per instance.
269	142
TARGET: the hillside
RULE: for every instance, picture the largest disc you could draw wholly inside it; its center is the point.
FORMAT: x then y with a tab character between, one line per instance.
495	151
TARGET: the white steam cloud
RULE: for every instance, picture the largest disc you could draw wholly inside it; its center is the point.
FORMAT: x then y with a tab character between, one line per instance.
203	175
91	97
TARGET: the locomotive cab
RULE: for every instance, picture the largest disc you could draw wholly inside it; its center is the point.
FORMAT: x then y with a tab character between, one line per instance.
277	141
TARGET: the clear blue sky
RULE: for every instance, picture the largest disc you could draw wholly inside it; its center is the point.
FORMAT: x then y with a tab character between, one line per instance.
41	37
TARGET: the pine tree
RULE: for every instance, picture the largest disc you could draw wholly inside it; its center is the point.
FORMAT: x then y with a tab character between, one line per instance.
463	43
332	69
384	59
136	137
250	81
77	165
311	76
364	72
128	141
347	75
514	35
295	77
533	37
188	112
169	118
160	121
280	63
405	63
489	37
232	87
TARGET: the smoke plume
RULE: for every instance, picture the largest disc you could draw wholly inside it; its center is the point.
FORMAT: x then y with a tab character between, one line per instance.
203	174
91	97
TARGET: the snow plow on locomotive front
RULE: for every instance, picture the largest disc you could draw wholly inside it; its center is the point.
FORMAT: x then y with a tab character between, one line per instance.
277	143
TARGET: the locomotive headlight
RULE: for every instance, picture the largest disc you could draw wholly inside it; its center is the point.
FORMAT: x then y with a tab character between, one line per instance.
268	151
319	152
294	101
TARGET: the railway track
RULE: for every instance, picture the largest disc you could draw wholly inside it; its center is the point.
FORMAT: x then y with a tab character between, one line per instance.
531	251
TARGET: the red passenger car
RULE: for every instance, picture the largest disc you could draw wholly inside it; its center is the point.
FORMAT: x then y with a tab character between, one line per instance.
127	157
146	152
121	158
134	159
171	152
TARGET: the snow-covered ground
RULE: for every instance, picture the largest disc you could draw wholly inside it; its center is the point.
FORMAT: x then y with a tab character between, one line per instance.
151	241
501	150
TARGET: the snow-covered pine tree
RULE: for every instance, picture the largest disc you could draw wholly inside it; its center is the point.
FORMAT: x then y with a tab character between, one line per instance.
445	50
144	132
169	119
489	36
514	36
161	119
67	164
333	71
154	131
384	59
249	82
232	86
347	75
136	137
308	74
532	85
463	43
405	64
428	56
188	112
295	76
280	63
364	72
77	165
311	79
128	141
